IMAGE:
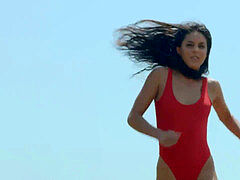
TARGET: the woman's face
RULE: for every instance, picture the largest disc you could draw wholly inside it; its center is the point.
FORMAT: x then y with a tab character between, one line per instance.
193	50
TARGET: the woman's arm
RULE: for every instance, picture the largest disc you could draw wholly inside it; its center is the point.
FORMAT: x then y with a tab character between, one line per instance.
223	112
142	102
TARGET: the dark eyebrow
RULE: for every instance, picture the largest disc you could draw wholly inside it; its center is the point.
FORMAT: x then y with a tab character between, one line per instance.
193	42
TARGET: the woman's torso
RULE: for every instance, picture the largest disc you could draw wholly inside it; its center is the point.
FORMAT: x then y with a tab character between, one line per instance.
186	94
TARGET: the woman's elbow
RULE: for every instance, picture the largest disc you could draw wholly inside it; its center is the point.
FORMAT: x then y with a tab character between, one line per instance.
131	120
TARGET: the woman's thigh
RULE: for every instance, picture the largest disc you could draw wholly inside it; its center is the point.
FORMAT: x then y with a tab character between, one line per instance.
208	171
163	171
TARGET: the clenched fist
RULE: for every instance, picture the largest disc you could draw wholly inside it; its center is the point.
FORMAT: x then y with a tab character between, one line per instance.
168	138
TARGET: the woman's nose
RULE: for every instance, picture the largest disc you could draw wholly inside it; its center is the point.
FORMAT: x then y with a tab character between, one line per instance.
195	49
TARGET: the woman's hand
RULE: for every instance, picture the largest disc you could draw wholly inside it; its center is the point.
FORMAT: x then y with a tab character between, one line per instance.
168	138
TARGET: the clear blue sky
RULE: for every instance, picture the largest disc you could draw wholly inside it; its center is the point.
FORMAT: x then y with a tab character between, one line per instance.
66	93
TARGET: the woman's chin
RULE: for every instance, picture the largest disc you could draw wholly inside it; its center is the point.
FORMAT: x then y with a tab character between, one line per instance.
194	68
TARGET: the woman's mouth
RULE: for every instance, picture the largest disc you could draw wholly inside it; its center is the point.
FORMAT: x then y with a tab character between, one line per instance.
195	58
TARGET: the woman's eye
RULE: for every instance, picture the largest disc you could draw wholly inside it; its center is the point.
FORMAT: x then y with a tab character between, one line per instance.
202	47
189	45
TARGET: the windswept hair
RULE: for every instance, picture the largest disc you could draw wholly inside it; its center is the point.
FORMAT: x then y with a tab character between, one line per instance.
156	44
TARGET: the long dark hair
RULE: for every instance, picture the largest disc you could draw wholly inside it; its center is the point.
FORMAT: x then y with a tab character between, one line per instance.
156	45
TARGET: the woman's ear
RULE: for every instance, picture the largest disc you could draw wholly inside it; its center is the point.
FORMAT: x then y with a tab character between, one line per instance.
178	50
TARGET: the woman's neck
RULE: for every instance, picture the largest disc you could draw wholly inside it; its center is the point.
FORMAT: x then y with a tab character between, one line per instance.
184	79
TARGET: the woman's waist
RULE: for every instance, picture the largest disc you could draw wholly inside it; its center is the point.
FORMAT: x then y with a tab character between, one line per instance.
189	141
184	151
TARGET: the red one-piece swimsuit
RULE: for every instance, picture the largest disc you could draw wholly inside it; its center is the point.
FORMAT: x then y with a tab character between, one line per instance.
187	157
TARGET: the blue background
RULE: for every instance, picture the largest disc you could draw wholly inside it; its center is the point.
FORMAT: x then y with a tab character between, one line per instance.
66	91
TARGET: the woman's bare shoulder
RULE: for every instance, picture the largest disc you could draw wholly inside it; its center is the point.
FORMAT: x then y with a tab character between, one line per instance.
161	73
212	83
148	92
213	87
160	69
